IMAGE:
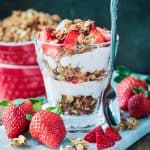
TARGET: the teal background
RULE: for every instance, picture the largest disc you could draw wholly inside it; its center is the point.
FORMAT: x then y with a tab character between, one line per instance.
133	23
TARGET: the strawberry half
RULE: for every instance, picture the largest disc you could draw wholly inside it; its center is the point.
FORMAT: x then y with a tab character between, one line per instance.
103	142
124	90
71	39
91	135
112	134
139	106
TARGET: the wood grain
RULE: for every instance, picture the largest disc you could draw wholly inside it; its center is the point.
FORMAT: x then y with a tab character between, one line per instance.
143	144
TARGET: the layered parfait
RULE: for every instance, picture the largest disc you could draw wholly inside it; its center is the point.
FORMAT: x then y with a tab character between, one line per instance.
75	62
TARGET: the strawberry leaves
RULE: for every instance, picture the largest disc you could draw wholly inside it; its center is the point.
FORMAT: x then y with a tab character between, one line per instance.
28	117
122	72
4	103
56	109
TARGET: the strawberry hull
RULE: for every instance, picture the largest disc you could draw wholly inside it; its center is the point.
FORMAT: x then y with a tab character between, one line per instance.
18	53
20	82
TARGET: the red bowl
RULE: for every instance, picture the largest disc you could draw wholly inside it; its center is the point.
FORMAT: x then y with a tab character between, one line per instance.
20	82
21	53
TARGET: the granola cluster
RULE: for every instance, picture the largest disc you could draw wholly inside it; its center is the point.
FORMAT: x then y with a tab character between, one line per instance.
21	25
77	105
77	144
74	75
19	141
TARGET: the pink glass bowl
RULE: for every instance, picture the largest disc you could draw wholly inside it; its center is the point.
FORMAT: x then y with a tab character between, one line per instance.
21	53
20	82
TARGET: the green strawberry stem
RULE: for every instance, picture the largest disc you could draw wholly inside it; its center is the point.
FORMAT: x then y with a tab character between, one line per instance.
28	117
138	90
122	72
18	102
56	109
4	103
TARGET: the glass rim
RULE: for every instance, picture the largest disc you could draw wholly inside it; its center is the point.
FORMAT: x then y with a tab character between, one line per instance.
82	45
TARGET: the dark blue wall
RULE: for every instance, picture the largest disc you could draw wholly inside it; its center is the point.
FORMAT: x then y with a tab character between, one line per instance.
134	23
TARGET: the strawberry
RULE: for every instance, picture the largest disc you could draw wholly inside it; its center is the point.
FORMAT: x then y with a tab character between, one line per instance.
71	39
48	128
139	106
98	36
91	135
112	134
103	142
14	117
124	90
51	50
45	35
106	35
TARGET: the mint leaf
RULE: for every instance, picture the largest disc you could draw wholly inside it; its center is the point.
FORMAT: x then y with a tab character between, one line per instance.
18	102
37	100
4	103
28	117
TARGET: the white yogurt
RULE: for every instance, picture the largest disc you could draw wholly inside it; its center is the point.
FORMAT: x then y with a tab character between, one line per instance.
89	61
97	59
55	89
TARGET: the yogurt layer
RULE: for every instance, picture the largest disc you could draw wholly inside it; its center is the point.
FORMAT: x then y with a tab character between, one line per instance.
55	89
91	61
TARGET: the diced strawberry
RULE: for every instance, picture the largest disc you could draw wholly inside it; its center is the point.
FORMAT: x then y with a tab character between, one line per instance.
51	50
106	35
45	35
98	36
112	134
74	80
91	135
71	39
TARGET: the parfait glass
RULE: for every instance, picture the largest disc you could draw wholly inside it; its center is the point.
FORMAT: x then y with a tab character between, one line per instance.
76	80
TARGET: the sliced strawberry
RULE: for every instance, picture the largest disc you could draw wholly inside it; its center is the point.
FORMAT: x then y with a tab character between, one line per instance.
51	50
71	39
45	35
106	35
91	135
98	36
104	142
112	134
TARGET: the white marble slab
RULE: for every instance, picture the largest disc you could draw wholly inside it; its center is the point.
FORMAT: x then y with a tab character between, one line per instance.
129	137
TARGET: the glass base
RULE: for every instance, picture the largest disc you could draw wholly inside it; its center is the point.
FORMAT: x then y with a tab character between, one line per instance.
82	123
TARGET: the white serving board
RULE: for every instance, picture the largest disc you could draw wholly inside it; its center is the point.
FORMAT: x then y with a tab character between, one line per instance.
129	137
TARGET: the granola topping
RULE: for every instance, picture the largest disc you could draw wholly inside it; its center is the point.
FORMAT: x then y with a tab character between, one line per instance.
22	25
20	141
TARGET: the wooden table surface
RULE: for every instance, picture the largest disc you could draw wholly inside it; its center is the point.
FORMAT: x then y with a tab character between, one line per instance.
142	144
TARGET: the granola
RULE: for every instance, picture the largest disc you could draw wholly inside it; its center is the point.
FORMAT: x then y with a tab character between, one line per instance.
22	25
70	74
20	141
77	105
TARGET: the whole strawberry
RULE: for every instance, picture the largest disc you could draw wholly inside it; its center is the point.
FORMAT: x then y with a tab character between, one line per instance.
124	90
47	128
14	117
139	106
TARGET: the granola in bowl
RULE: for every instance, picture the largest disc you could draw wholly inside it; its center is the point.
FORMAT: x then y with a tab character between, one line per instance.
21	25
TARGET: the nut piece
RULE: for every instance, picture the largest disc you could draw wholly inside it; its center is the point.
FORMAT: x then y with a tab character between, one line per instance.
20	141
132	123
123	124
